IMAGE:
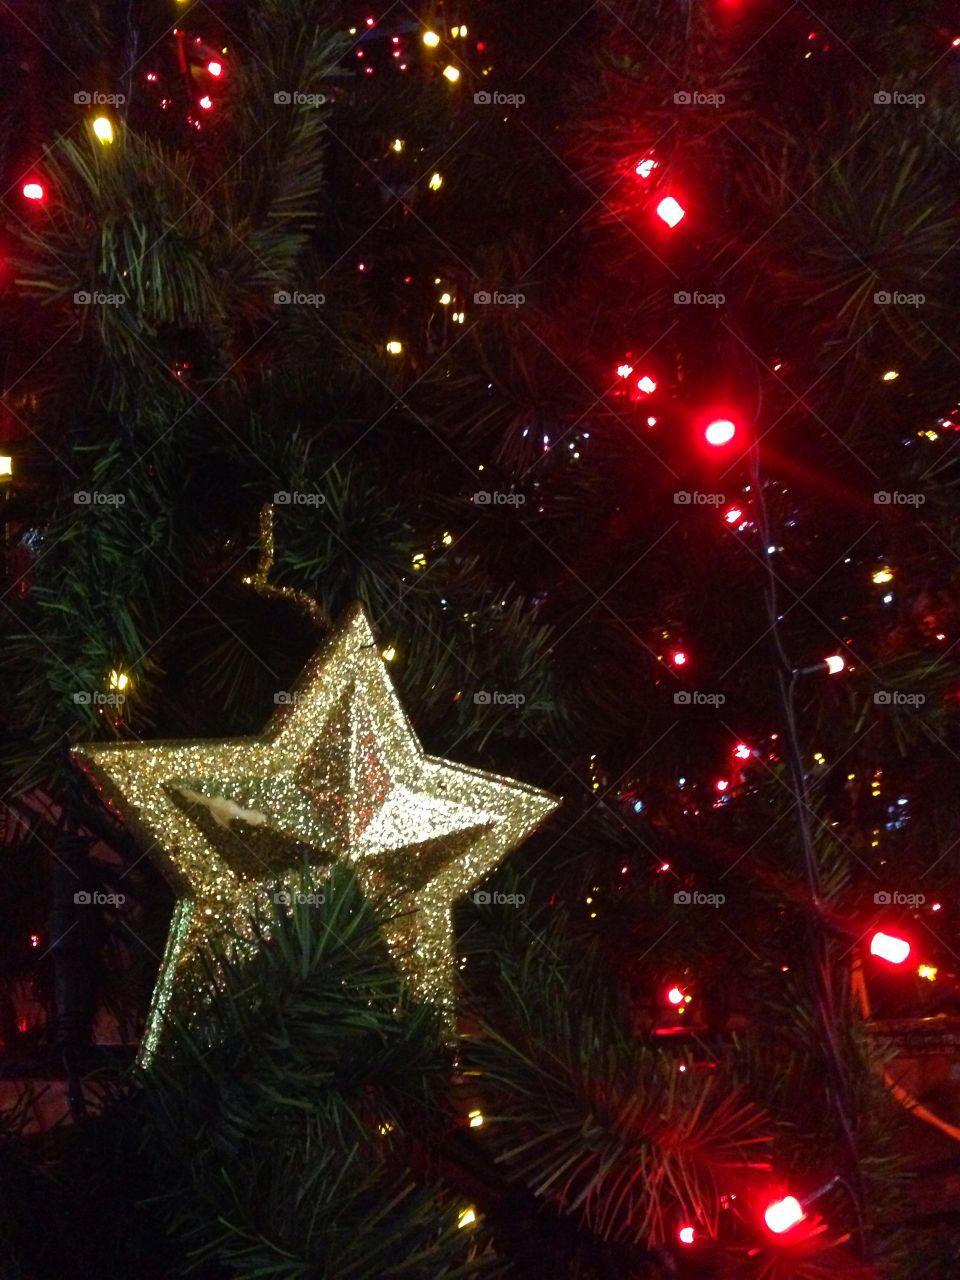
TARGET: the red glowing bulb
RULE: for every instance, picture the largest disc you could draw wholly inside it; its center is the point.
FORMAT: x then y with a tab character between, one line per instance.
679	658
783	1214
646	167
889	948
34	939
646	385
686	1235
206	103
215	68
675	996
651	422
33	191
733	516
671	211
742	751
722	784
835	664
719	432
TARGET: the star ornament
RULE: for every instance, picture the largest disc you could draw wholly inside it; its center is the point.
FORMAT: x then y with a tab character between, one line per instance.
338	775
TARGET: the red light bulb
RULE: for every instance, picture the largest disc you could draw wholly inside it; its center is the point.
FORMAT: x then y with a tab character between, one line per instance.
892	949
206	103
675	996
215	68
33	190
742	751
720	432
671	211
835	664
783	1214
733	516
679	659
646	385
686	1235
646	167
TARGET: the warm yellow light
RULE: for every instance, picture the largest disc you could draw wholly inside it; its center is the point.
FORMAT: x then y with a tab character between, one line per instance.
454	31
447	539
6	465
467	1217
419	561
103	129
459	317
394	348
445	299
397	144
476	1119
928	971
891	375
389	653
119	679
452	74
883	575
436	182
431	39
463	30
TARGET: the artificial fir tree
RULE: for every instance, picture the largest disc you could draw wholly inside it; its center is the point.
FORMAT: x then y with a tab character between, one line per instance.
439	311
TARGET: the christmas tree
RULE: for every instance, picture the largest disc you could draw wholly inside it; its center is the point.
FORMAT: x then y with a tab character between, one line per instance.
480	640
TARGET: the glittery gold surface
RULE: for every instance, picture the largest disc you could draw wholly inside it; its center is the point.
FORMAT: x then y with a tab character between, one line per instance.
338	774
260	580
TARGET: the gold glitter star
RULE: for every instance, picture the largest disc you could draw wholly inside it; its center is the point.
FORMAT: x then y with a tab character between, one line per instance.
337	776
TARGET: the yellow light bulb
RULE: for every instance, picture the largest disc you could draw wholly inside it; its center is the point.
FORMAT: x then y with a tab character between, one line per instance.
6	465
397	144
389	653
452	74
447	539
445	299
467	1217
891	375
119	679
394	348
431	39
436	182
419	561
928	971
454	31
476	1119
883	575
103	129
